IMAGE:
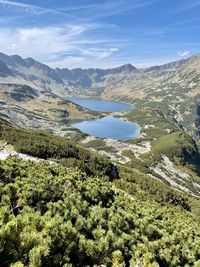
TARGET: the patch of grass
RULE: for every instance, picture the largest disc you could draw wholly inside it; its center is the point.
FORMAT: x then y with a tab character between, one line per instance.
99	144
166	144
136	163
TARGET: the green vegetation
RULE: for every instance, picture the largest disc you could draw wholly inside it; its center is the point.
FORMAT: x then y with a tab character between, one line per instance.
84	211
46	146
153	122
50	147
166	139
52	216
99	144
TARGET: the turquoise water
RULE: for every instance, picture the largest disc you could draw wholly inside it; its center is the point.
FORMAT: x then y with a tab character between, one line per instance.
109	127
101	105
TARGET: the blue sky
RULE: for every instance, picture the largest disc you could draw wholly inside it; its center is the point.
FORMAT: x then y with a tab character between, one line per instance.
100	33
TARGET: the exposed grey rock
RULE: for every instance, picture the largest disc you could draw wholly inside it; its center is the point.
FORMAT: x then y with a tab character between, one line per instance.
4	70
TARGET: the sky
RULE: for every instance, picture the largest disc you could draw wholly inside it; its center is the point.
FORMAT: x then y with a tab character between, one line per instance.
100	33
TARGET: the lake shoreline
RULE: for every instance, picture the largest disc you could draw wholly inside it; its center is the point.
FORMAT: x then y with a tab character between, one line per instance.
111	124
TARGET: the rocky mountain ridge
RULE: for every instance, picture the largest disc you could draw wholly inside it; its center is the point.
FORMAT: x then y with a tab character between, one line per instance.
69	79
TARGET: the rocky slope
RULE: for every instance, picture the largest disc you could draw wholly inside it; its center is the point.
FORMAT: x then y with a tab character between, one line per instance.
37	103
4	70
28	99
35	72
163	151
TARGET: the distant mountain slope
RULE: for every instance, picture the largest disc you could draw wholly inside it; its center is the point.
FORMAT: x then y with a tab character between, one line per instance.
59	81
35	72
29	89
125	77
178	95
28	107
4	70
124	80
86	78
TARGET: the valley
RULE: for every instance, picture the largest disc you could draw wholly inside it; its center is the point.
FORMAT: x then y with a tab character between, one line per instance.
172	88
118	156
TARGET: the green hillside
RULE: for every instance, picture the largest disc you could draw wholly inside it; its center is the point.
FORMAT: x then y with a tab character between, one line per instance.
84	211
165	138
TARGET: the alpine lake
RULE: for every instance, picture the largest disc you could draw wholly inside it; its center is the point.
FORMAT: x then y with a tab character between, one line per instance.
108	126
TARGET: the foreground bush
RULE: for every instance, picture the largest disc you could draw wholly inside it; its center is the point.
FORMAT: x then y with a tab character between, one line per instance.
53	216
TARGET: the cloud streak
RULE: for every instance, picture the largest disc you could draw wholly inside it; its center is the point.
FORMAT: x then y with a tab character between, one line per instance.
187	5
26	7
32	9
108	8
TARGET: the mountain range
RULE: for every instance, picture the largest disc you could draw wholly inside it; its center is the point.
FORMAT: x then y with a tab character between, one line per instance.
55	80
34	71
174	87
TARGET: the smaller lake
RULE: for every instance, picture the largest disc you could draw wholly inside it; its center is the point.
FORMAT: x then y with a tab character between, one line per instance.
109	127
101	105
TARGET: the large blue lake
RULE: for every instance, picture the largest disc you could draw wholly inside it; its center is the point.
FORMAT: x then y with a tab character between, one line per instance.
101	104
109	126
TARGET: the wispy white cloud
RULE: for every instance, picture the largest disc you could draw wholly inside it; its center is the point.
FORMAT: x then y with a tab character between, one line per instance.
32	9
41	41
180	25
99	53
184	22
26	7
108	8
77	35
53	44
79	8
155	32
184	54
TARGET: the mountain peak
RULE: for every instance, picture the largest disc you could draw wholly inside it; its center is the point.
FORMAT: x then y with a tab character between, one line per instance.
126	68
